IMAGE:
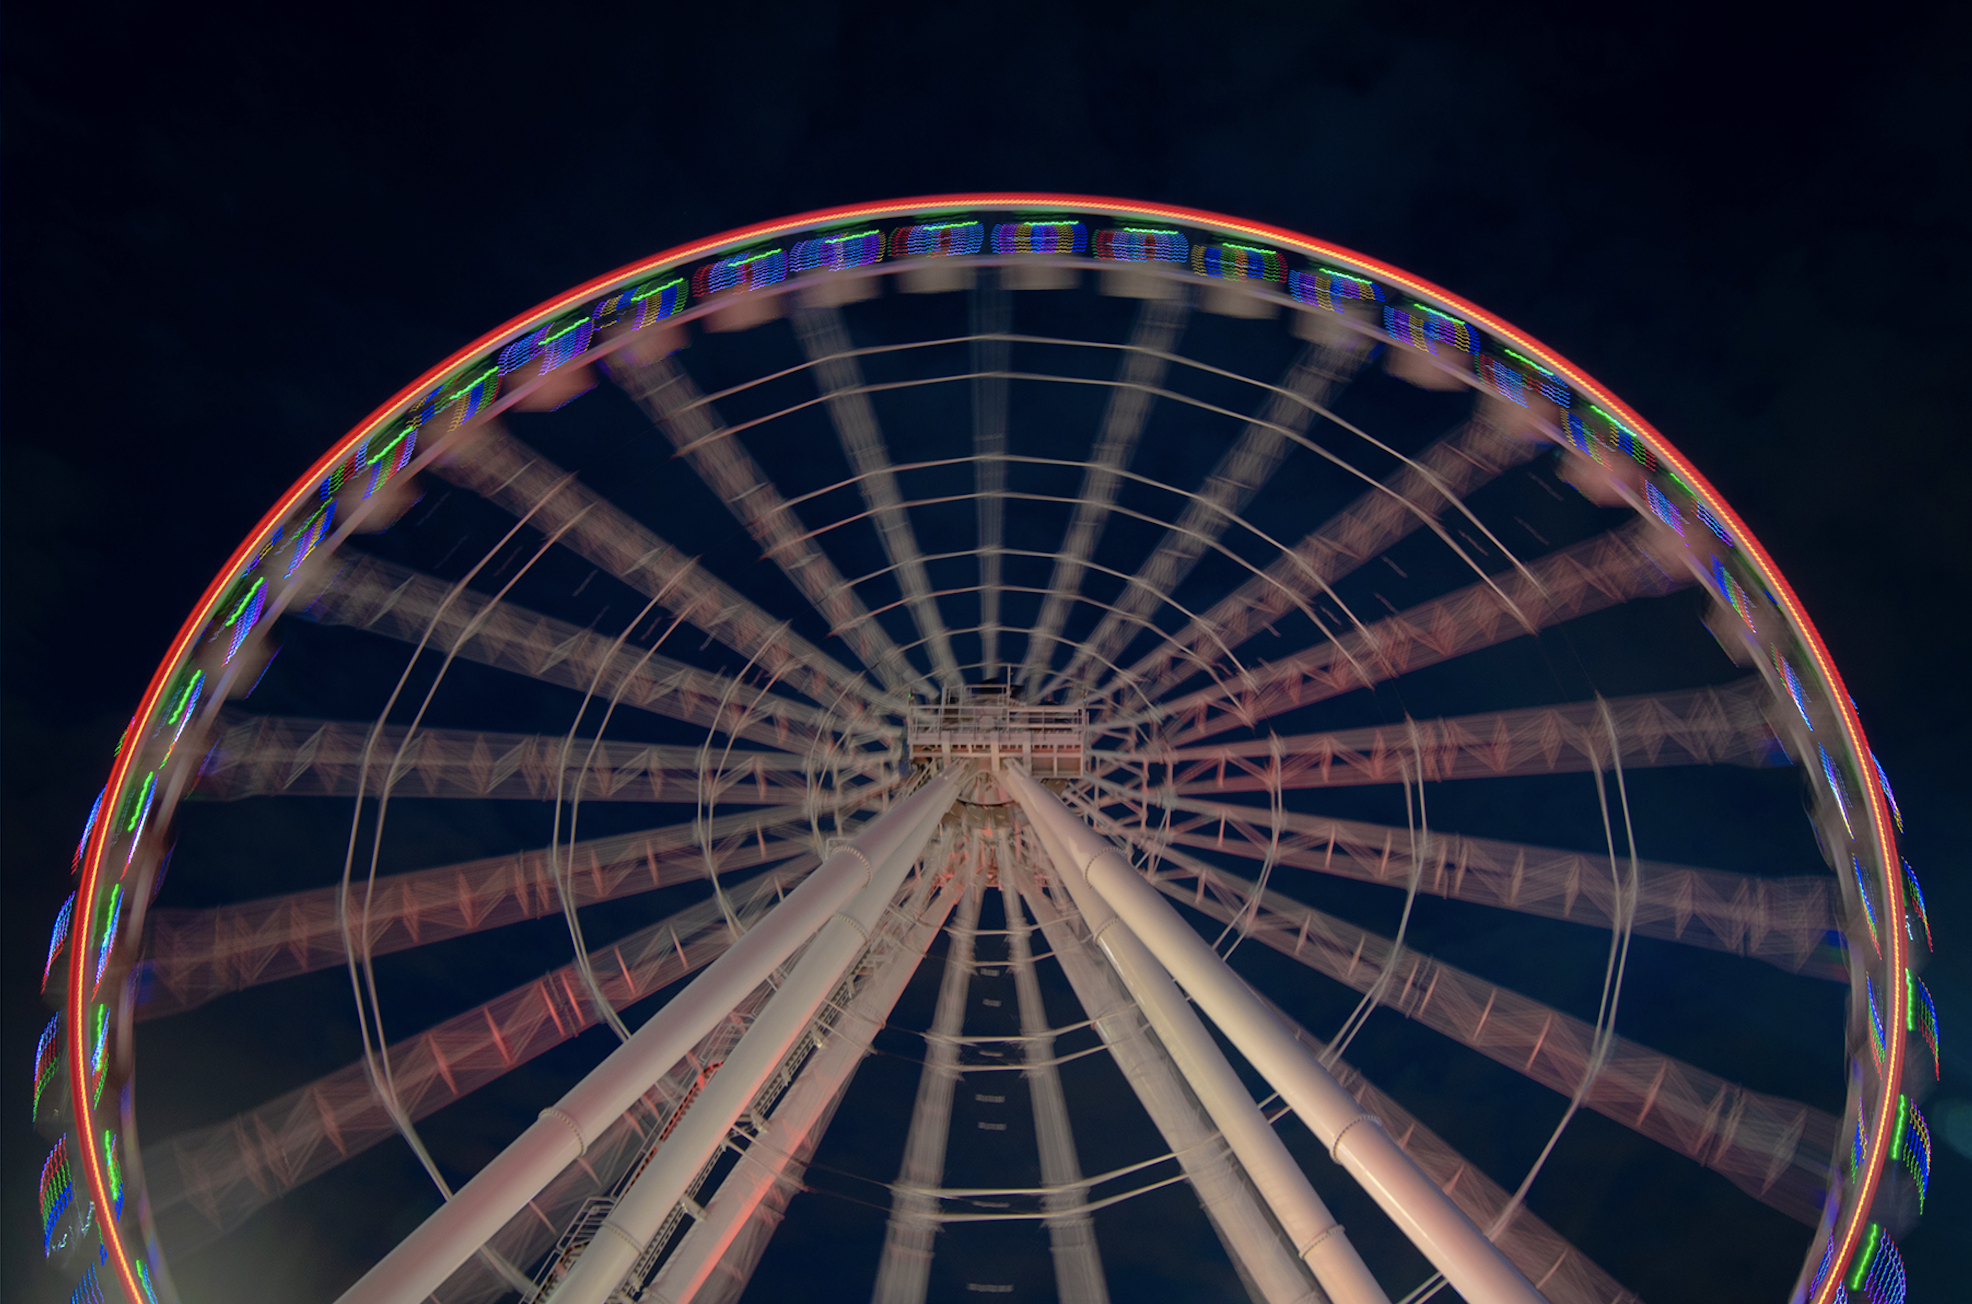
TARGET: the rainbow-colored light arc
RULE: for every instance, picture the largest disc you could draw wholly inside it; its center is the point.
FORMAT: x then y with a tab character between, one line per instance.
89	1148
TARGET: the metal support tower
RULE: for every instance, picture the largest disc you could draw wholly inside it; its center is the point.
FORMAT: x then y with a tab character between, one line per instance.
903	1274
1071	1234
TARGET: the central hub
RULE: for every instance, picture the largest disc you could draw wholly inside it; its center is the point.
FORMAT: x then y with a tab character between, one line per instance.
987	724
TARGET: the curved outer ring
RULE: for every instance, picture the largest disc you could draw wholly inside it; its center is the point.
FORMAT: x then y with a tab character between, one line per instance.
89	1154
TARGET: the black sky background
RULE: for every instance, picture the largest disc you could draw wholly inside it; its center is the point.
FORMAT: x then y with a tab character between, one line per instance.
228	236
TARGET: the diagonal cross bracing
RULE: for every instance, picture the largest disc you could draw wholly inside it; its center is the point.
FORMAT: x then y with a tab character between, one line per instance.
1449	470
1071	1233
666	392
507	473
1783	921
1605	571
196	955
1705	726
266	755
825	341
1774	1149
903	1272
404	604
1317	374
204	1183
1159	323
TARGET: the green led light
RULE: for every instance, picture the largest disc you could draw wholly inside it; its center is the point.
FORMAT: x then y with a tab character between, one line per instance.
137	807
657	289
1867	1257
385	452
184	697
244	600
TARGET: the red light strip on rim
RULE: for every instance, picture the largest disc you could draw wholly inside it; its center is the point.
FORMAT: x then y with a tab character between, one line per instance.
89	1155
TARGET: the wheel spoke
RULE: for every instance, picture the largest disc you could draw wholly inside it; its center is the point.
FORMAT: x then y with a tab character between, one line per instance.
1706	726
1604	571
199	954
666	392
1460	463
826	342
270	755
1315	376
1784	921
404	604
1159	323
205	1183
505	472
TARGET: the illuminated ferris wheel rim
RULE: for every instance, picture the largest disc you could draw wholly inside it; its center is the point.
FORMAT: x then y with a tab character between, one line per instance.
1876	833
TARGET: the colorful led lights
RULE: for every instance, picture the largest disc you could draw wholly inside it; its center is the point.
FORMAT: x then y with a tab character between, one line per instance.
949	239
1896	811
1130	244
1841	794
47	1060
1878	1041
1922	1018
1046	237
1663	508
57	1192
1333	290
1734	594
1915	894
1231	262
741	272
62	919
1868	909
838	252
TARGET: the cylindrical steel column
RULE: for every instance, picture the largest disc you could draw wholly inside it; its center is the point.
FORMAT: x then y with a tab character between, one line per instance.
424	1259
641	1209
1471	1263
1317	1238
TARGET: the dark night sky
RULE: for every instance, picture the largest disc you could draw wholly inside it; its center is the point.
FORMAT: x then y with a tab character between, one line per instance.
229	238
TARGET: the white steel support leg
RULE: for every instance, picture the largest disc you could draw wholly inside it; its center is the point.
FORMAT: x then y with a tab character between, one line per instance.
1078	1271
1317	1238
1252	1239
482	1206
1472	1264
903	1275
717	1256
643	1207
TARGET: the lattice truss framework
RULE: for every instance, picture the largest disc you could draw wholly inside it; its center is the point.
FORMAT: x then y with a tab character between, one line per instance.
806	740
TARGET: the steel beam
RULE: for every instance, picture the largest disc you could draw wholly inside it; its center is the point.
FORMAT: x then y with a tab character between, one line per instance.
885	855
1071	1233
1311	1229
1245	1226
903	1273
478	1209
714	1260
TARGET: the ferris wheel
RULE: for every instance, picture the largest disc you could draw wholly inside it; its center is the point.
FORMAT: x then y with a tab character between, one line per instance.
990	745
